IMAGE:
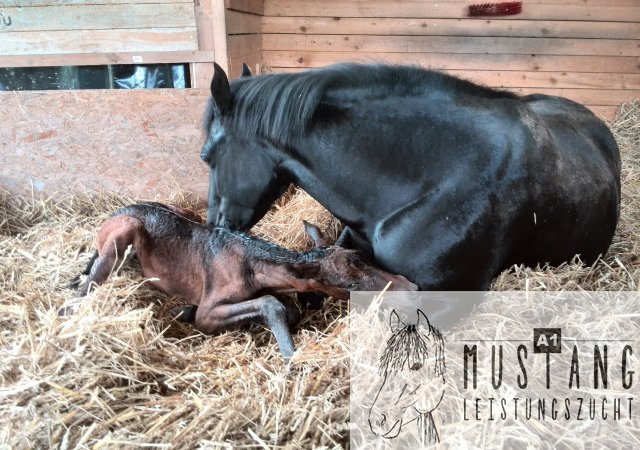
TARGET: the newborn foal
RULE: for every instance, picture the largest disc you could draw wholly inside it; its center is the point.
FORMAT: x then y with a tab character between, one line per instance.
228	275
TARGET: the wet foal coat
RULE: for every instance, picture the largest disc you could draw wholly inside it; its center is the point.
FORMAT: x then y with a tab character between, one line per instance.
231	277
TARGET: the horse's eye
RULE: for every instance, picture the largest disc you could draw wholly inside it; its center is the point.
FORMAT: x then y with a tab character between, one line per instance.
352	286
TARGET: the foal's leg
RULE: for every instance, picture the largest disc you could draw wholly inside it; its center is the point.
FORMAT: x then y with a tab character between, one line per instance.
267	309
114	237
188	313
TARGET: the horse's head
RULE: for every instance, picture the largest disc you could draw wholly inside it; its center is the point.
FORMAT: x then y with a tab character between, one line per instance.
412	370
244	179
342	270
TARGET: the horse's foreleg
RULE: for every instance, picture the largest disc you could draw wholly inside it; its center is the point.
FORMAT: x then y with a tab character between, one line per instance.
215	318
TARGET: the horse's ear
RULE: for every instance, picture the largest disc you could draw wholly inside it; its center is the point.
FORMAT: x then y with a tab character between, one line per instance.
422	317
315	234
220	90
246	72
395	324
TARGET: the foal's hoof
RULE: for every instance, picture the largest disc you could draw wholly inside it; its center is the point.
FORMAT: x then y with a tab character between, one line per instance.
184	313
68	310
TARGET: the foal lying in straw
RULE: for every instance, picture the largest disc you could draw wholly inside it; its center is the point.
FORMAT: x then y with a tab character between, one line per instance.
229	277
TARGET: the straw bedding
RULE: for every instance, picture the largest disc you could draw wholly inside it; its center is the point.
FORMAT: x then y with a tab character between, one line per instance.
122	374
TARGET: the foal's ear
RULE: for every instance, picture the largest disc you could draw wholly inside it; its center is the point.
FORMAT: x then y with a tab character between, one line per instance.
315	234
220	90
246	72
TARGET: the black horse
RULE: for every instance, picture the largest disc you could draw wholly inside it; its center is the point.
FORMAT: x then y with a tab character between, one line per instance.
438	179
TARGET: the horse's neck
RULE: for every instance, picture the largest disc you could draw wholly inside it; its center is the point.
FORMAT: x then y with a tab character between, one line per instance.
332	195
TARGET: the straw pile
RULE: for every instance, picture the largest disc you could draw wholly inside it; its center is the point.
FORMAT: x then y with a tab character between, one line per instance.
122	374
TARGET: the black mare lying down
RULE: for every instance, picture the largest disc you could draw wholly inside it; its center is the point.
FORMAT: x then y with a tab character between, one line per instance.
228	276
436	178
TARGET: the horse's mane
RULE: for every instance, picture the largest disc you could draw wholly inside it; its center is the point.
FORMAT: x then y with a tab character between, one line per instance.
279	106
260	249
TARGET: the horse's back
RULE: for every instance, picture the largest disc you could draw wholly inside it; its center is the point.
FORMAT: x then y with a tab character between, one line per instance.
542	186
575	182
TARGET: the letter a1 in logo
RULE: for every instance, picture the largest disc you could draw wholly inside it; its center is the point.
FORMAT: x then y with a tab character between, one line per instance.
547	340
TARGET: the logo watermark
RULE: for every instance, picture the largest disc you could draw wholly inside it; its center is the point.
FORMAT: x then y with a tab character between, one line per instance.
544	369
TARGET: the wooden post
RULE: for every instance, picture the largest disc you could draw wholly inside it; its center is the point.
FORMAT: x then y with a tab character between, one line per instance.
212	35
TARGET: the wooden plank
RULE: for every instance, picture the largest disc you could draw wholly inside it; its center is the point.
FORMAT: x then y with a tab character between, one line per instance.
608	113
461	61
87	41
452	10
253	61
452	44
592	97
559	80
97	17
249	6
204	24
556	80
588	97
243	23
219	26
90	59
450	27
244	44
27	3
202	72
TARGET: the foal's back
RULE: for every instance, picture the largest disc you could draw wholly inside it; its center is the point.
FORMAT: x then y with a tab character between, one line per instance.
173	246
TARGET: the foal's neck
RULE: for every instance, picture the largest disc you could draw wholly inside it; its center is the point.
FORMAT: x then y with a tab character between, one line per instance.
287	277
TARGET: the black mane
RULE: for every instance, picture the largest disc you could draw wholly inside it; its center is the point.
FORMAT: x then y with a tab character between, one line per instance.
279	106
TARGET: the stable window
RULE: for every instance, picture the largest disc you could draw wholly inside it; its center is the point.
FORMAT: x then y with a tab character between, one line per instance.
123	76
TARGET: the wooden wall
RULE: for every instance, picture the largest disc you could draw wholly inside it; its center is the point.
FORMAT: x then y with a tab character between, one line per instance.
77	32
244	35
587	50
141	143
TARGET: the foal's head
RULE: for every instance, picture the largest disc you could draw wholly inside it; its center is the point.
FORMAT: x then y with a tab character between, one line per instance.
341	270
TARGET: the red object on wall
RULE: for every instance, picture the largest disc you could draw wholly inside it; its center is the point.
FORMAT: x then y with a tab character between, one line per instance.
495	9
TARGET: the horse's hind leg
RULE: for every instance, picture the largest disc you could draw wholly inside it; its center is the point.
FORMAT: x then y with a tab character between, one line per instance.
114	237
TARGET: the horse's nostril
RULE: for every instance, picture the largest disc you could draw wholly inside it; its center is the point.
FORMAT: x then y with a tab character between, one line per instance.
415	366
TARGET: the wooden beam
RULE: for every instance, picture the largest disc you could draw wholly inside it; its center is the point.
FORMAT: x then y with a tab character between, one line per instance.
556	80
449	27
243	23
458	61
452	10
451	44
26	3
249	6
99	17
91	59
244	44
103	41
202	72
218	11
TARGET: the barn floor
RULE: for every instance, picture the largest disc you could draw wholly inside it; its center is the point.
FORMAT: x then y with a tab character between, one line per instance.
122	374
